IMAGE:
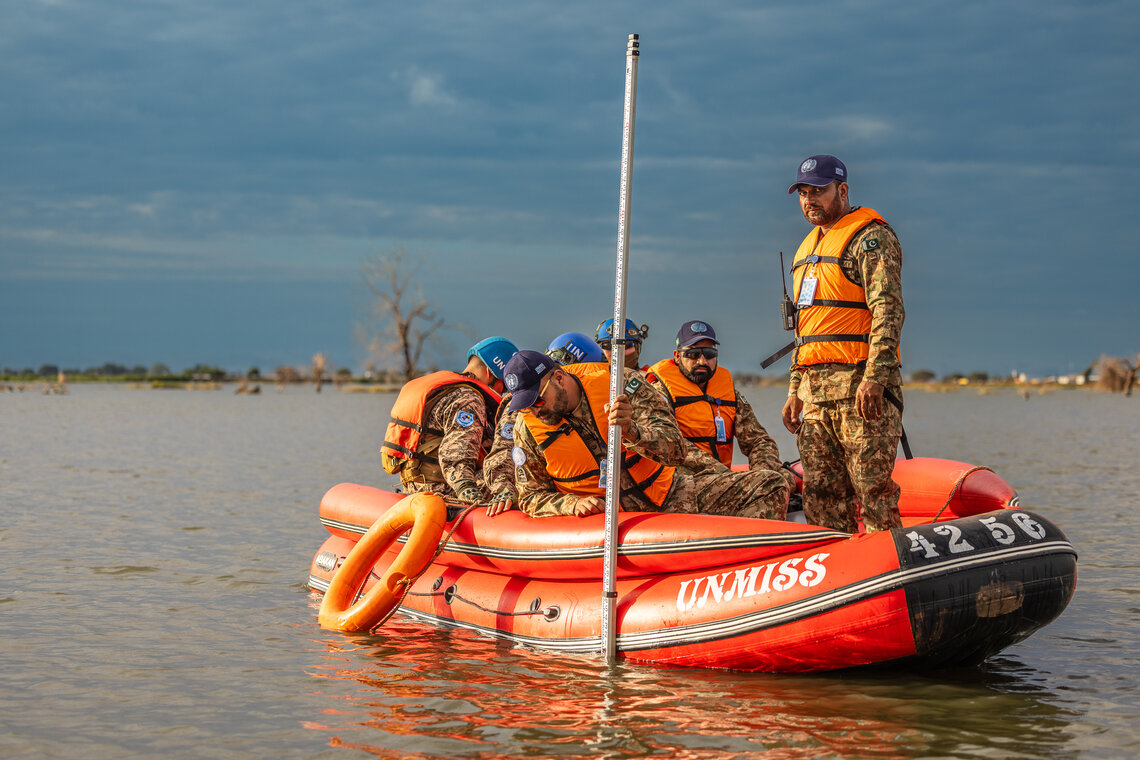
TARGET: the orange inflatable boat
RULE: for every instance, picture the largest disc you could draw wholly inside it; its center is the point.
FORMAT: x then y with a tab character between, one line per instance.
968	574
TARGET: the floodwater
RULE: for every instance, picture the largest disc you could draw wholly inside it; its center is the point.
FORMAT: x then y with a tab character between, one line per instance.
154	548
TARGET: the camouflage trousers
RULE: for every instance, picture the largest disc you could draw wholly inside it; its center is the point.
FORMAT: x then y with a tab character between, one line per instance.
748	493
420	485
848	461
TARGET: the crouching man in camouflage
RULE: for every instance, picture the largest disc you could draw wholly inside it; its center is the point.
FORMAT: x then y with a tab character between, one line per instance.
711	414
498	469
561	440
439	432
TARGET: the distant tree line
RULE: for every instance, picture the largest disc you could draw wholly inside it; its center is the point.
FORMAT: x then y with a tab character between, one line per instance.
161	372
112	371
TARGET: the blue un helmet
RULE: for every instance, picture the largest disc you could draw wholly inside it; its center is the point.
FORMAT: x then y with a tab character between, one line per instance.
495	352
632	331
574	348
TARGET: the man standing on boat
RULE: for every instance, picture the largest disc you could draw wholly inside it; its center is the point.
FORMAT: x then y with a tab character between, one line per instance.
498	469
439	432
711	412
844	398
561	444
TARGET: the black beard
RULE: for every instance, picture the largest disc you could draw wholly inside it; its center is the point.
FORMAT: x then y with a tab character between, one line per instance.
699	375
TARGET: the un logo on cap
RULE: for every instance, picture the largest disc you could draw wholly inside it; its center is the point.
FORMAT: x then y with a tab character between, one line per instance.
699	327
807	166
512	381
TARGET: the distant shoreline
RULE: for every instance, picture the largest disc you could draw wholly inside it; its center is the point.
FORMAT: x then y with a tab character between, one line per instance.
356	385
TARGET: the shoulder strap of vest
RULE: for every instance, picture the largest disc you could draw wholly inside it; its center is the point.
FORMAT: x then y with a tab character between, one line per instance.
554	435
815	259
418	428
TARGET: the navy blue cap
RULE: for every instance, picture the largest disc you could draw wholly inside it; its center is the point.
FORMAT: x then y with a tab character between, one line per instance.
693	331
819	171
523	373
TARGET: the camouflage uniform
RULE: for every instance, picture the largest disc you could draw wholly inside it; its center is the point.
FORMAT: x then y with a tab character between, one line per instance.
766	485
847	459
498	469
657	438
459	474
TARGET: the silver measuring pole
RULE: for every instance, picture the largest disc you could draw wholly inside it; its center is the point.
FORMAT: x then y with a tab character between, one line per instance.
617	362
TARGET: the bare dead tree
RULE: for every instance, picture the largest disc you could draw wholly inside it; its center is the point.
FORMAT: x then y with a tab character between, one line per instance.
402	320
1117	375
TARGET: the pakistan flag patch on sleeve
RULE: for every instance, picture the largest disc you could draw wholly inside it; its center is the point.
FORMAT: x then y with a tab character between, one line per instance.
632	386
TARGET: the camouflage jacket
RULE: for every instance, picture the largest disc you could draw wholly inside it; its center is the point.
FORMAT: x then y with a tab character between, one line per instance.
461	415
750	435
880	271
498	469
657	438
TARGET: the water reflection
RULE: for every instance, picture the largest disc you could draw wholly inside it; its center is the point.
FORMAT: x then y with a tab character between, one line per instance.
414	690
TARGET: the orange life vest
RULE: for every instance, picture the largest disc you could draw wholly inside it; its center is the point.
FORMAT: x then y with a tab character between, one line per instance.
406	431
836	326
568	459
697	410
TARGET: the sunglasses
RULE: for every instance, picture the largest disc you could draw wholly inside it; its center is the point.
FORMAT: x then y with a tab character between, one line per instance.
629	345
541	400
696	353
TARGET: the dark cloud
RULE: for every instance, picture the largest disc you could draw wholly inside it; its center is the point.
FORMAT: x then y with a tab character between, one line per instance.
280	142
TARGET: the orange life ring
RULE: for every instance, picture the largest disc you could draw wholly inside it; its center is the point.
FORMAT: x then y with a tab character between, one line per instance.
425	514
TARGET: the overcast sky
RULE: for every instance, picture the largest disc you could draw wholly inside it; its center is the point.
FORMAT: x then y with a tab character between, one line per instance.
200	182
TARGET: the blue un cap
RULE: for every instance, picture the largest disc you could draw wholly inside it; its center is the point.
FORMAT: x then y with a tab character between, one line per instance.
522	376
606	329
494	352
818	171
574	348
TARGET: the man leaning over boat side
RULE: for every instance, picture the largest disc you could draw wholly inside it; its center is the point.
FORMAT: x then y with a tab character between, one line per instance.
439	433
844	398
561	439
498	469
712	414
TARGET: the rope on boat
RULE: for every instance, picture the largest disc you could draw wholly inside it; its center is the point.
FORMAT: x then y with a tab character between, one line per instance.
407	582
957	486
451	596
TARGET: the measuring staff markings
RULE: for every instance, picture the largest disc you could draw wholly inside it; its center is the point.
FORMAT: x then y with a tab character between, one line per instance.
777	576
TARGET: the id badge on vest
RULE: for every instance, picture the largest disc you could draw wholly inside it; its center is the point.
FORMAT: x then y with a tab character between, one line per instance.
602	472
807	292
721	433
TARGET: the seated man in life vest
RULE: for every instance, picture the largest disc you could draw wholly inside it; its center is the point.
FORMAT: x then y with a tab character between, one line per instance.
634	335
440	429
711	412
561	446
498	469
